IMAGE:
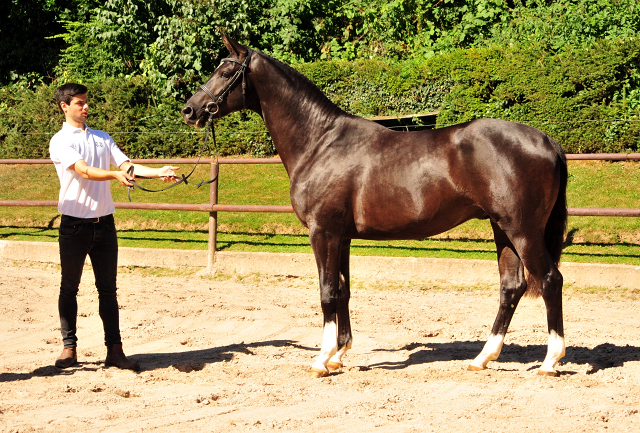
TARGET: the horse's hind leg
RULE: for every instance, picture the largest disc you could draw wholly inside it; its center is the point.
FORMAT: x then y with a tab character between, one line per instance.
344	324
512	287
544	273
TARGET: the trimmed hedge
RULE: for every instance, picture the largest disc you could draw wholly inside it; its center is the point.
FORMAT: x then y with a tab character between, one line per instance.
147	125
143	124
588	99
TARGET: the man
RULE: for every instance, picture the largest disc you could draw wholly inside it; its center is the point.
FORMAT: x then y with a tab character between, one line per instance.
82	157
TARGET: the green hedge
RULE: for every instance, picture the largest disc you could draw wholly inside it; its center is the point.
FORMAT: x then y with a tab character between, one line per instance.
147	125
143	124
588	99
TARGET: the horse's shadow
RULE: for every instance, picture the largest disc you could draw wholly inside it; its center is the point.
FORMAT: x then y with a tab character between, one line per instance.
186	361
197	359
601	357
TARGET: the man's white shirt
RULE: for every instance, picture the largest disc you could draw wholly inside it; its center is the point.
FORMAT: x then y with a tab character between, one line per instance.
80	197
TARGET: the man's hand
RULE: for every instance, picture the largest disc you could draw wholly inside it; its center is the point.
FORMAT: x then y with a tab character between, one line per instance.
98	174
122	177
168	173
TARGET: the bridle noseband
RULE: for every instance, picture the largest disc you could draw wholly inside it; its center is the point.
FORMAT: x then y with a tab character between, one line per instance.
216	100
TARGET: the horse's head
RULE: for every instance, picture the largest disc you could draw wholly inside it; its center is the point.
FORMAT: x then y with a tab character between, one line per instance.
226	91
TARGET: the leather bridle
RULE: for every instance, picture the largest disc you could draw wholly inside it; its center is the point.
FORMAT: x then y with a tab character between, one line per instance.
215	101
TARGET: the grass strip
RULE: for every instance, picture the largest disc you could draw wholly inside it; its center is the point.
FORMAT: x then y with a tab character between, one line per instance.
589	239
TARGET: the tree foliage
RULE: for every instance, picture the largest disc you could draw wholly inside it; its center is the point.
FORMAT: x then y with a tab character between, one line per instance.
26	29
175	43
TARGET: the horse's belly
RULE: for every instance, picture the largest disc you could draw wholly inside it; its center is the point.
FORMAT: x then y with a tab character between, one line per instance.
397	223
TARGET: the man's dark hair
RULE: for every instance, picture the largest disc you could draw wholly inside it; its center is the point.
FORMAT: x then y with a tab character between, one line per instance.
66	92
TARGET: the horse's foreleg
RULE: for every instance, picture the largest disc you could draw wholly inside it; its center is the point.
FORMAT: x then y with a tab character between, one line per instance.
345	337
512	287
326	248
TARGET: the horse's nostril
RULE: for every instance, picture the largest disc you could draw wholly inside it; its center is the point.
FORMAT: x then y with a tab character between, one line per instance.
187	110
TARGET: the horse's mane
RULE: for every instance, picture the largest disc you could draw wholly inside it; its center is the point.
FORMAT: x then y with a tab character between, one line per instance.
313	91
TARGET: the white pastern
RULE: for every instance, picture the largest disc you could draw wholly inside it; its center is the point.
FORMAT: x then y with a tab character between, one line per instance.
491	351
329	346
337	358
555	352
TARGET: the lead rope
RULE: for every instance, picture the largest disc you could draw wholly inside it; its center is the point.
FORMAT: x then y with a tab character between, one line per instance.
183	178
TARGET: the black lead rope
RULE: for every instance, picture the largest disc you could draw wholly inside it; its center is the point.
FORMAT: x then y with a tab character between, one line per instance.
183	179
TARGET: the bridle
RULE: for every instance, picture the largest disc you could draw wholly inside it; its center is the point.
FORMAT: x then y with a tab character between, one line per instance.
215	101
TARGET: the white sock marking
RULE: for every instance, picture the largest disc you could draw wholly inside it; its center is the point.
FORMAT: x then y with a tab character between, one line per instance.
491	351
329	346
555	351
340	353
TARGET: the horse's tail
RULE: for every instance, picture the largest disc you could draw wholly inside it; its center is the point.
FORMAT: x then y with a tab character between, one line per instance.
557	222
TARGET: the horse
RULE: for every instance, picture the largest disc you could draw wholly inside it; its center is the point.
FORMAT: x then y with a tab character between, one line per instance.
351	178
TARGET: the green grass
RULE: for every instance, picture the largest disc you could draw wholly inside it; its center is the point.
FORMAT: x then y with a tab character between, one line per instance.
589	239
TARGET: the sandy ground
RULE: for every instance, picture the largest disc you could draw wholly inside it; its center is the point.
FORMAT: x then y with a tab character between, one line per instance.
231	355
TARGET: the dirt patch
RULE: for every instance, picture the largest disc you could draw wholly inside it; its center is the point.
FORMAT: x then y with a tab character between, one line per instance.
231	355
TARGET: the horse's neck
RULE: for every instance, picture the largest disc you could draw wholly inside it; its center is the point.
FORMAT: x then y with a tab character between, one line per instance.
296	113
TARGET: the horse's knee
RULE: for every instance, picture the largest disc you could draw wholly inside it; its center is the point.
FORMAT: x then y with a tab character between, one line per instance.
329	302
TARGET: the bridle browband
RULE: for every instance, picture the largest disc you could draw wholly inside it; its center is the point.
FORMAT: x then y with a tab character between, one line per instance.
215	101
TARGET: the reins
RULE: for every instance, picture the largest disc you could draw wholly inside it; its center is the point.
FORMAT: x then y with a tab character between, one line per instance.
215	100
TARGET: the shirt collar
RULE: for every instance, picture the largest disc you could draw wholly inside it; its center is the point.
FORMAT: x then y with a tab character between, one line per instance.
73	129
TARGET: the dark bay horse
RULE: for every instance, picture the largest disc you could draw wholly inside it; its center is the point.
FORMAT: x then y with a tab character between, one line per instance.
354	179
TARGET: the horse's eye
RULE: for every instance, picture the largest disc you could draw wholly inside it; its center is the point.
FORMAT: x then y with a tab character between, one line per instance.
225	75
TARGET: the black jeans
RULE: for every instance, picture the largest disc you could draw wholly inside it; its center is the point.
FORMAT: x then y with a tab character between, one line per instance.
96	237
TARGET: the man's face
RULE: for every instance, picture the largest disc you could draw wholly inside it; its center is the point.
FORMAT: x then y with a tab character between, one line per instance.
77	110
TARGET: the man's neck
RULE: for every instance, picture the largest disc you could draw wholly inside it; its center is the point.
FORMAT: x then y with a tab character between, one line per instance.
75	124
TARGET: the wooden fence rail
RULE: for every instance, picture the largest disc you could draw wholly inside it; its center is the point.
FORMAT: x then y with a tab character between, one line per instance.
213	207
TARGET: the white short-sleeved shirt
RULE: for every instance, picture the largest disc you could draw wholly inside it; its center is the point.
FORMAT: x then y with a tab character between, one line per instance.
80	197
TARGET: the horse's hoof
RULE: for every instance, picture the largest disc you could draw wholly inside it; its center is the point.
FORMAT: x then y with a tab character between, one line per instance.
552	373
333	366
472	367
317	373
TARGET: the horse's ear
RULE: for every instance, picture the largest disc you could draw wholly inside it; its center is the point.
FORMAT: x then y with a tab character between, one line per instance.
233	46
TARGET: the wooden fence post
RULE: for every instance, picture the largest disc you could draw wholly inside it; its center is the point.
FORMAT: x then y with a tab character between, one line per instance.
213	218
